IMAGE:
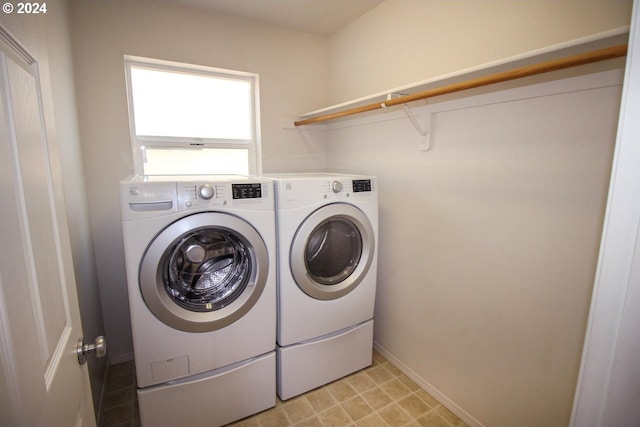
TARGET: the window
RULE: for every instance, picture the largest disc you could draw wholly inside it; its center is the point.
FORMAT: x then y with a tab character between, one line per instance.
192	120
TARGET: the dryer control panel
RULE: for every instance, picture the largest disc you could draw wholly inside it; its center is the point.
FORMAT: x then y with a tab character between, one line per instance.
347	187
361	185
297	191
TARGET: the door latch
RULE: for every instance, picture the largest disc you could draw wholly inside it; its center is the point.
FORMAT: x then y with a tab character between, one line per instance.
99	347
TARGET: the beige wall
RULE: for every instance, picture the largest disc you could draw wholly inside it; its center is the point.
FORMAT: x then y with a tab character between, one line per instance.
406	41
488	243
293	74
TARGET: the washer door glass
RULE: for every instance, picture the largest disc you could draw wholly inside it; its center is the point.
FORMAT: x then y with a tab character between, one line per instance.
204	272
206	269
332	251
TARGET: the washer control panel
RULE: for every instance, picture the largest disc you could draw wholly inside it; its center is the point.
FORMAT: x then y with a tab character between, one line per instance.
150	196
195	195
247	191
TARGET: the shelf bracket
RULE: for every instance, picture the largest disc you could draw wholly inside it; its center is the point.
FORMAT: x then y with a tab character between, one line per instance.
425	135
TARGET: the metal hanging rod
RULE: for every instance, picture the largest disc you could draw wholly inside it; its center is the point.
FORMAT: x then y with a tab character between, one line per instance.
517	73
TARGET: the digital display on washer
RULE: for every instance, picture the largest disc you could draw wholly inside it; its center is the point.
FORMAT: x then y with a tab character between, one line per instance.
360	185
246	191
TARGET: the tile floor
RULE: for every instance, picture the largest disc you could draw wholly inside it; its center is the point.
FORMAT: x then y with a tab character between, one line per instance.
380	395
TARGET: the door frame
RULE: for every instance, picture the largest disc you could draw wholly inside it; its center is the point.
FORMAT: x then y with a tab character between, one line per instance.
608	386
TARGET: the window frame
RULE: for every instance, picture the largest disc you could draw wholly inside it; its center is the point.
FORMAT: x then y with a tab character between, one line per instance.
141	142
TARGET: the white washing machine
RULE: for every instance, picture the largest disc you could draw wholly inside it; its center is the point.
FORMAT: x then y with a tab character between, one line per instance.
201	272
327	263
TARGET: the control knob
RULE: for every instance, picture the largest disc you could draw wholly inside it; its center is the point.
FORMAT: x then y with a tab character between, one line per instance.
336	186
205	191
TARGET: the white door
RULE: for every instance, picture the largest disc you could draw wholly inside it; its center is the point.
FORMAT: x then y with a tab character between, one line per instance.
41	381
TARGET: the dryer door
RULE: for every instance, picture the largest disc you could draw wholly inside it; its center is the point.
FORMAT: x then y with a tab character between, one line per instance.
204	272
332	251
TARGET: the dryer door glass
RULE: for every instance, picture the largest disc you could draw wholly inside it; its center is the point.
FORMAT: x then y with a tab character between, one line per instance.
206	269
333	251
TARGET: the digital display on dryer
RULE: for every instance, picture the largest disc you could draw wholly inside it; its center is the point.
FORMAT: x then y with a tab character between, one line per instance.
246	191
360	185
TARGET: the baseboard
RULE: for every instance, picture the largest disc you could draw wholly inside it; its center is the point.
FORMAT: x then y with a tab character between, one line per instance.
439	396
103	393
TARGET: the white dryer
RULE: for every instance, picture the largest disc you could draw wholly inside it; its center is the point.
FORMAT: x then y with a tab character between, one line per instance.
327	261
201	272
